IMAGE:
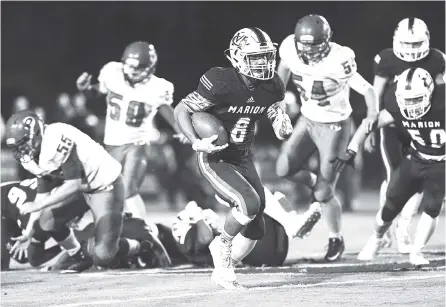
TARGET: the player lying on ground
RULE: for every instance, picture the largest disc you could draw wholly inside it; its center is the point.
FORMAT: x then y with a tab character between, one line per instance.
195	228
134	96
14	194
60	152
420	113
238	97
410	50
323	73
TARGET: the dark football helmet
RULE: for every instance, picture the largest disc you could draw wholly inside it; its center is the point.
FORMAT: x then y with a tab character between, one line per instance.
23	133
139	61
312	36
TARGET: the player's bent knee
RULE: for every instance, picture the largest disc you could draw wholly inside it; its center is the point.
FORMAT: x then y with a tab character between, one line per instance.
255	230
104	254
323	191
432	210
240	217
282	166
47	221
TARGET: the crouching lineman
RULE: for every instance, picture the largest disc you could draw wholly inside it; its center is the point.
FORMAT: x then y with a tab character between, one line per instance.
420	112
60	151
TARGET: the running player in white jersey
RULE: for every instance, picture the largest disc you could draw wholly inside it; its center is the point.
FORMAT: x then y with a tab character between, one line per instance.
134	96
323	72
59	153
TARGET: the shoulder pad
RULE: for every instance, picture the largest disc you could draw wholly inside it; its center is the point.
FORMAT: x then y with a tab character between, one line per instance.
210	83
287	48
383	63
348	61
56	147
108	70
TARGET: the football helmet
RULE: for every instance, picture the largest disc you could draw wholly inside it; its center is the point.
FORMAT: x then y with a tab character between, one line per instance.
411	40
312	36
24	132
252	53
413	92
139	61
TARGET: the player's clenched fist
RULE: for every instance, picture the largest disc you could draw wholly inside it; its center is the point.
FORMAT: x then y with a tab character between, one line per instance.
84	81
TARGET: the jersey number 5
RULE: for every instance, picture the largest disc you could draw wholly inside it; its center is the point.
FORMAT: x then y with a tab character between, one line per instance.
136	111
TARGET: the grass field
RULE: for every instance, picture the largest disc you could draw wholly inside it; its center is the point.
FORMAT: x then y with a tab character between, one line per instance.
388	281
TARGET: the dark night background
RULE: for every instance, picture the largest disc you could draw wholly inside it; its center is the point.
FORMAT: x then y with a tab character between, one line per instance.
46	45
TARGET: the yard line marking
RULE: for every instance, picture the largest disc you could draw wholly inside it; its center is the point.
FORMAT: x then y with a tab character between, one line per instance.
189	295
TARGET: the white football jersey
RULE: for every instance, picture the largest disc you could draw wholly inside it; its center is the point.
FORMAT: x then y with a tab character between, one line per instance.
59	140
131	110
323	86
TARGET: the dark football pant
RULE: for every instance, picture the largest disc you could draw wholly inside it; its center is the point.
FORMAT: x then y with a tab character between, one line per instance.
415	175
392	148
235	180
134	161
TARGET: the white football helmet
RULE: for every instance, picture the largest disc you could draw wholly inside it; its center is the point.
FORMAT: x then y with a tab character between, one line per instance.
411	40
252	53
413	92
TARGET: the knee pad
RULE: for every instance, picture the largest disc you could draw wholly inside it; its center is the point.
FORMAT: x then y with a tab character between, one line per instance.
433	210
255	230
323	191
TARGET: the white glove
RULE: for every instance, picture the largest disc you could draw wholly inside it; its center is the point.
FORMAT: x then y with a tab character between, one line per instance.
83	83
211	218
282	125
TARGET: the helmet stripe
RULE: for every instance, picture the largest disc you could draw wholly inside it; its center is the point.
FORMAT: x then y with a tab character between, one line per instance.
411	22
259	34
409	78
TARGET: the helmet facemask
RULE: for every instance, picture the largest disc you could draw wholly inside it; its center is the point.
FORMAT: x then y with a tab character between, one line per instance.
134	72
312	52
413	106
27	147
254	64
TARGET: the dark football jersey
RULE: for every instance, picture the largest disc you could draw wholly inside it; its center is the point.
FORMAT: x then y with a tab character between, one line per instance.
427	133
14	194
388	65
235	105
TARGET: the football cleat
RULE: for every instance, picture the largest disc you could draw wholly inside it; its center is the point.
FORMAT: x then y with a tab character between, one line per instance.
335	250
81	262
309	220
416	258
223	274
371	248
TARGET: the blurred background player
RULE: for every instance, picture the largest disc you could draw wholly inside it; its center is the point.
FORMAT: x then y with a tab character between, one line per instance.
224	93
68	156
134	95
323	73
419	110
410	50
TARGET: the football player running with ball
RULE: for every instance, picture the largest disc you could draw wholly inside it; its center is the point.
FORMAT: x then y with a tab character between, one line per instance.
323	72
410	50
238	97
134	96
419	112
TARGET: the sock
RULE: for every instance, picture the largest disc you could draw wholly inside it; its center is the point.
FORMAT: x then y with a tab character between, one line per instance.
425	228
226	238
382	194
241	247
70	243
381	227
332	213
274	209
136	206
409	211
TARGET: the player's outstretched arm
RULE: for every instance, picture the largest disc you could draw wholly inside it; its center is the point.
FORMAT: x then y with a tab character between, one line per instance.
339	163
83	84
360	85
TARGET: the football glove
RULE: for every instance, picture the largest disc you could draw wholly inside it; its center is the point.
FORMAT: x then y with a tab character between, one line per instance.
83	83
344	159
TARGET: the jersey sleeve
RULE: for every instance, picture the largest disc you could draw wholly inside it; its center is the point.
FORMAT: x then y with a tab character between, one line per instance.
206	94
382	65
56	148
286	47
167	96
348	63
441	61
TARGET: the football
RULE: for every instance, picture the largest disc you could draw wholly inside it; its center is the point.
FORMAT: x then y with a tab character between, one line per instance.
206	125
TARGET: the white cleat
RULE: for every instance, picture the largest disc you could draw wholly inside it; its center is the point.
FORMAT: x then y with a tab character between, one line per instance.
403	241
371	248
416	258
223	274
308	220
